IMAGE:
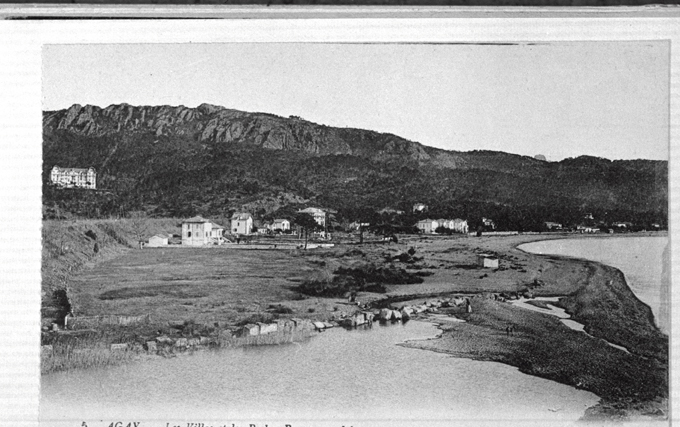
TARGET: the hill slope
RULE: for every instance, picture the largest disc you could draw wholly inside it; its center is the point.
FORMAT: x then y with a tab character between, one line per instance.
209	160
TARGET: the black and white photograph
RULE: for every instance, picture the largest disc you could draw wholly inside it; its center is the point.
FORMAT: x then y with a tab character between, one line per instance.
354	232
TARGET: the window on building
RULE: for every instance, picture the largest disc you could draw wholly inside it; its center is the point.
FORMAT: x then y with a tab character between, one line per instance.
189	234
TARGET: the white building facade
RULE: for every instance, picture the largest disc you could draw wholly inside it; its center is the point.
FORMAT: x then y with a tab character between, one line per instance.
241	223
281	224
198	231
427	226
157	241
459	225
74	177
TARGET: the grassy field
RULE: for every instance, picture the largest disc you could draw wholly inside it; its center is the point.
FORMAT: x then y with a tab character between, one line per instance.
200	284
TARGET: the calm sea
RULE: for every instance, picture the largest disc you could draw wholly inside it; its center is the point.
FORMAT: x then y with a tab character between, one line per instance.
641	259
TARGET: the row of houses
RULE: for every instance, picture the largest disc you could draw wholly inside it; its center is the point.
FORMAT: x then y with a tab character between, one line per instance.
429	226
199	231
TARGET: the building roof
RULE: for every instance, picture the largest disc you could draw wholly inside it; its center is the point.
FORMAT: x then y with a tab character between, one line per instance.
76	170
215	225
195	219
426	220
459	220
311	210
389	210
280	220
160	236
241	216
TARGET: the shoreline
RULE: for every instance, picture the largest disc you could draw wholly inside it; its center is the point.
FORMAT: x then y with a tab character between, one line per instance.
541	344
605	325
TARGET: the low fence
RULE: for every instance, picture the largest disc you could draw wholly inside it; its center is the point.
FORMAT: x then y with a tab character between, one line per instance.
84	322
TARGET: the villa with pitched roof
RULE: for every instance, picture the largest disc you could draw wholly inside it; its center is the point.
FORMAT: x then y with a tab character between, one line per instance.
281	224
198	231
241	223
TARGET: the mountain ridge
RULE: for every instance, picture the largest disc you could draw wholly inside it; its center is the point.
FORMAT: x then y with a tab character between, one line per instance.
224	151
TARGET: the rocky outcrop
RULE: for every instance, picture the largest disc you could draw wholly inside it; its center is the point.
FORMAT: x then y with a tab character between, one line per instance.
211	124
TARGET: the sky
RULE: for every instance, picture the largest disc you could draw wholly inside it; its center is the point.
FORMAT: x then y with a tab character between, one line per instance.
605	99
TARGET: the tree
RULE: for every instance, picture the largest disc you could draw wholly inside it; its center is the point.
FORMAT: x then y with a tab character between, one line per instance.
385	229
442	230
308	223
139	225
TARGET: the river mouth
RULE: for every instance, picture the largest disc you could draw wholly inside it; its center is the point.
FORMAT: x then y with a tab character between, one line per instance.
337	374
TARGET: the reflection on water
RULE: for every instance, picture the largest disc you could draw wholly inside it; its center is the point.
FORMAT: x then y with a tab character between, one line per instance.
337	374
641	260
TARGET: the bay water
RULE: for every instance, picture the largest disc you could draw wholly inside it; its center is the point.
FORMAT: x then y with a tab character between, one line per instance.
641	259
336	375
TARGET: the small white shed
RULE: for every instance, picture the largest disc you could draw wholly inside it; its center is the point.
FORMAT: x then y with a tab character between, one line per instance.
157	241
487	261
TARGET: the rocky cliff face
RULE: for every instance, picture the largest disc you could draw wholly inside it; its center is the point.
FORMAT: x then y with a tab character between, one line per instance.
210	124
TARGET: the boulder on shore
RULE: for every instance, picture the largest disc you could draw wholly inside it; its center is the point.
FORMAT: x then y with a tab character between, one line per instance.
385	314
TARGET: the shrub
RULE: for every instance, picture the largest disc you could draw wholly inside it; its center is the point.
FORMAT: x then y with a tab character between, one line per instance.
365	278
281	309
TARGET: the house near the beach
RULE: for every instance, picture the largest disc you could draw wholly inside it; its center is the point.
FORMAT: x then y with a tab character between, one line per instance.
553	225
427	226
281	224
587	229
356	225
198	231
241	223
157	241
488	223
445	223
459	225
626	225
74	177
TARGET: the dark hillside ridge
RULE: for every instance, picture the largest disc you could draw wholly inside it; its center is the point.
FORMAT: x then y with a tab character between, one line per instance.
210	160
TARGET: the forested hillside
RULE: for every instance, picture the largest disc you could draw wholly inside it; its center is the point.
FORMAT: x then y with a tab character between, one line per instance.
178	161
